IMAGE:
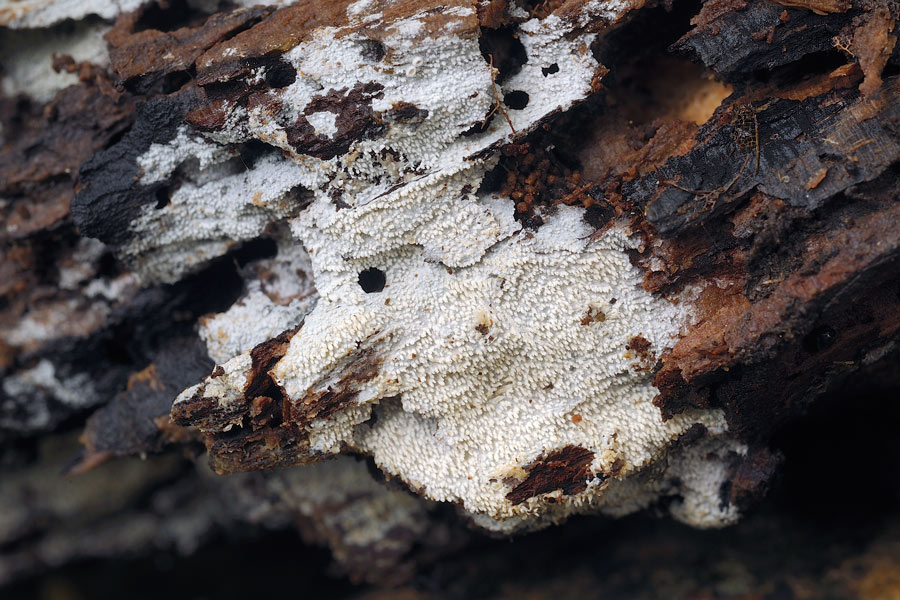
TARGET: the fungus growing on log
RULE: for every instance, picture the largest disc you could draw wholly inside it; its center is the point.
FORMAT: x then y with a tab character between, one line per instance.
528	260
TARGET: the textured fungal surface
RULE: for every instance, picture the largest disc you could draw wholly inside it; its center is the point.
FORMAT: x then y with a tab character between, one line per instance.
407	272
454	346
458	380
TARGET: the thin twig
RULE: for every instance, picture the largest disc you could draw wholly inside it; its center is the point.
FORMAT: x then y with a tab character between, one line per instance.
499	105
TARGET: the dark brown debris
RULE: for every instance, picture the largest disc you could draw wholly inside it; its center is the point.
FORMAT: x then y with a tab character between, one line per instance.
244	449
354	120
593	315
639	344
493	14
45	146
263	401
750	477
364	368
265	427
406	112
566	469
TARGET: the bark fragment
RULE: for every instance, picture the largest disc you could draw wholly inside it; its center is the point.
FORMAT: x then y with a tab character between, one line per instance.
565	469
141	58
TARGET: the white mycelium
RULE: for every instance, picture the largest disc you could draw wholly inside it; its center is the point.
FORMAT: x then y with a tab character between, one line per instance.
492	346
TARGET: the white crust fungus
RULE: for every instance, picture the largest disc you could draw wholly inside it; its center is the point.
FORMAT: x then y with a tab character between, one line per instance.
28	14
490	348
27	58
443	76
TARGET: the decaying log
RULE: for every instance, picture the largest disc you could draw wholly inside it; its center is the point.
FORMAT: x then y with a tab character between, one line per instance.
528	260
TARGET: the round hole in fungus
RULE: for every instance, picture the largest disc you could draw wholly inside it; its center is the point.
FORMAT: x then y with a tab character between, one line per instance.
373	50
372	280
516	100
162	197
280	74
554	68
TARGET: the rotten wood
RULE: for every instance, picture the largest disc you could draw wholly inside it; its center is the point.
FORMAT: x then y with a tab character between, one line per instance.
781	190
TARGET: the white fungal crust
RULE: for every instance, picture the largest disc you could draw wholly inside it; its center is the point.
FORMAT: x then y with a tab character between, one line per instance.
499	362
27	58
492	362
431	87
278	298
29	14
220	203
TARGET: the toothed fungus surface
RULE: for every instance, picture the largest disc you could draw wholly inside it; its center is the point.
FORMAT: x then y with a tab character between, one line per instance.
479	371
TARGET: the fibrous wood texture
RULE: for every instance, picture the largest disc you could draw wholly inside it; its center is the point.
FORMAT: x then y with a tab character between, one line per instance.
526	260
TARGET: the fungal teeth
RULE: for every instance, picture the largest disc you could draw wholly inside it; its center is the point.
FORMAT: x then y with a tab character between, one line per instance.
407	313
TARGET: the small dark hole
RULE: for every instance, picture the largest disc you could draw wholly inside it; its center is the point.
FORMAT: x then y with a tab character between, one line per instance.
372	280
819	339
280	74
250	152
107	265
493	180
516	100
300	195
373	50
162	197
554	68
725	494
